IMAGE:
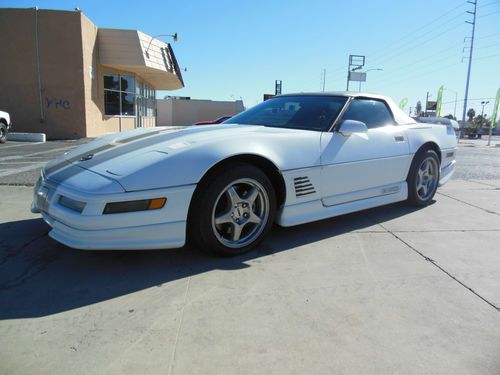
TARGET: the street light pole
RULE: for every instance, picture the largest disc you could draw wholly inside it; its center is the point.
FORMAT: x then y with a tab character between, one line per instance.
173	36
483	103
366	71
426	101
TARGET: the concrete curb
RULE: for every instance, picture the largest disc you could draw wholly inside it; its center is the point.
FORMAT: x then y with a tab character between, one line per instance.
26	137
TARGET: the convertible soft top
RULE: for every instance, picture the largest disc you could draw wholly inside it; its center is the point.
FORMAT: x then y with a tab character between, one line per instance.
400	117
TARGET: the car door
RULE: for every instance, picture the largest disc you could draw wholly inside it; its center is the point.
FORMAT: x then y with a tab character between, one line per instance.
365	164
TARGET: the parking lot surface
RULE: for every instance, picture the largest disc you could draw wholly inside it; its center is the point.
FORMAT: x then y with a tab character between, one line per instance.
388	290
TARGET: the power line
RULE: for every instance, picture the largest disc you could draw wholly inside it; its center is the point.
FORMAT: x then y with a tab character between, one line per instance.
425	60
488	46
414	46
488	36
403	78
400	48
486	57
488	14
420	74
488	4
411	34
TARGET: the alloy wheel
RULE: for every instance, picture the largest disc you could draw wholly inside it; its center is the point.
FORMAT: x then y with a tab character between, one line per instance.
427	178
240	213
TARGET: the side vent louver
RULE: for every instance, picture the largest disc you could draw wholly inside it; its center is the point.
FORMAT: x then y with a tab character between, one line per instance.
303	186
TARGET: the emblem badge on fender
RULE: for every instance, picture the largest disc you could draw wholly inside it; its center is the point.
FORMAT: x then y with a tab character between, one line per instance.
87	157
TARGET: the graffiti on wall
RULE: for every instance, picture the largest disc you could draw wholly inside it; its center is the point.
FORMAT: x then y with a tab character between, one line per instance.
58	103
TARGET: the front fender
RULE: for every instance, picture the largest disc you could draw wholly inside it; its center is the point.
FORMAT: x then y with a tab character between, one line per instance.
187	165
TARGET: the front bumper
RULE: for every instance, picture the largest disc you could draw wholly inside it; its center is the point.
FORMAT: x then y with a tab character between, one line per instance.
91	230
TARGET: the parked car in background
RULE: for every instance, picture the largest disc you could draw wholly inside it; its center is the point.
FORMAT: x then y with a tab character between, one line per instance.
5	126
292	159
217	121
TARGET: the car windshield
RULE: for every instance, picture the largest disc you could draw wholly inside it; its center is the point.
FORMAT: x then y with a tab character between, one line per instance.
296	112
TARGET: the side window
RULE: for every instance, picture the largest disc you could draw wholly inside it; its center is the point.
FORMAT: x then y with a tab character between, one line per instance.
374	113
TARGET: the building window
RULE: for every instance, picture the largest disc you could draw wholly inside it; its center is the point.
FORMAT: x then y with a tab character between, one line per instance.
119	95
146	99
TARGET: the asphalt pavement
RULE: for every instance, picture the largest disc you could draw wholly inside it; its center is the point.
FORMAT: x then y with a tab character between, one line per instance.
388	290
20	162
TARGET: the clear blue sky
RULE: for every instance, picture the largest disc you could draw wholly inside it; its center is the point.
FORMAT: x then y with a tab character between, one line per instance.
236	49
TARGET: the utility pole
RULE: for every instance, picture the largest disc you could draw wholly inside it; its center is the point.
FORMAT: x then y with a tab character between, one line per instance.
473	23
324	79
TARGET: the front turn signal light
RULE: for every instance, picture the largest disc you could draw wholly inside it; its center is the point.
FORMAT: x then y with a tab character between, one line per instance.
157	203
133	206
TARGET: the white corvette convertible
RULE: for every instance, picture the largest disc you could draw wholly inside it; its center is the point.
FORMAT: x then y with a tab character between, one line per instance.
292	159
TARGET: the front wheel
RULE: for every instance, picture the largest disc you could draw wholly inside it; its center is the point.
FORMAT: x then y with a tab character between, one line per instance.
423	178
233	210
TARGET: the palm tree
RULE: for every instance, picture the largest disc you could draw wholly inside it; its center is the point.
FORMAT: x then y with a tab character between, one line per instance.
418	108
470	114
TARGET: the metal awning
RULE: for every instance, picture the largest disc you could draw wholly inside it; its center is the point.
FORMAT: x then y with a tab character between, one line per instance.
136	52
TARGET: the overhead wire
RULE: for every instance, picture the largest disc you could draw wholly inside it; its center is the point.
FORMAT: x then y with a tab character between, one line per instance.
397	47
433	62
427	41
413	35
425	59
488	14
488	4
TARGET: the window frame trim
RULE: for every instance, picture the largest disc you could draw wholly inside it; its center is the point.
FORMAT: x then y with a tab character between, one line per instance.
120	92
335	127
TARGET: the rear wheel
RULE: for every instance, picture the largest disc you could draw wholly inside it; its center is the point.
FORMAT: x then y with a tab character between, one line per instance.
3	133
233	210
423	178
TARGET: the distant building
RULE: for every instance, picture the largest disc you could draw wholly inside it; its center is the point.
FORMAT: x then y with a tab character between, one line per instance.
181	111
63	76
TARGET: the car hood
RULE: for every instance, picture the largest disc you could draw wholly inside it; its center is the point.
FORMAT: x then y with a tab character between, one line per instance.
172	156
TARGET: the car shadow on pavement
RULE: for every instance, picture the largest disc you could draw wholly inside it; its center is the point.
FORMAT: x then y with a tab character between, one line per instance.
40	277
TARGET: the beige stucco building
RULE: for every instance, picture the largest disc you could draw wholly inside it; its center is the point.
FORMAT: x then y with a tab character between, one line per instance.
182	111
63	76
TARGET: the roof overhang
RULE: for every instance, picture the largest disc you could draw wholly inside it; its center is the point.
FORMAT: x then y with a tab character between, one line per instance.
138	53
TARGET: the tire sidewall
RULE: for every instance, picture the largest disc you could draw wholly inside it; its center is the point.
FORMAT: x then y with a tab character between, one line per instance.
200	214
3	133
413	197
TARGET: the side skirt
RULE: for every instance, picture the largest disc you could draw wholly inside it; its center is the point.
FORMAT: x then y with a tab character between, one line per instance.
307	212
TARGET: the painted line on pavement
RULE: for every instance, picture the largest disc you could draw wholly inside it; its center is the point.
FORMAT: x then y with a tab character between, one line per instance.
20	145
36	153
20	170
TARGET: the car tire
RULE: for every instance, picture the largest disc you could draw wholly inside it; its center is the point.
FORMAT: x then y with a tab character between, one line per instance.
3	133
232	210
423	178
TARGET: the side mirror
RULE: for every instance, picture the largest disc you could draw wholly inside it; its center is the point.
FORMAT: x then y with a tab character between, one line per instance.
348	127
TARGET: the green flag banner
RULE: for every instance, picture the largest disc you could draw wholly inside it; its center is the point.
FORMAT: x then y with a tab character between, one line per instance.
403	102
495	110
439	101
